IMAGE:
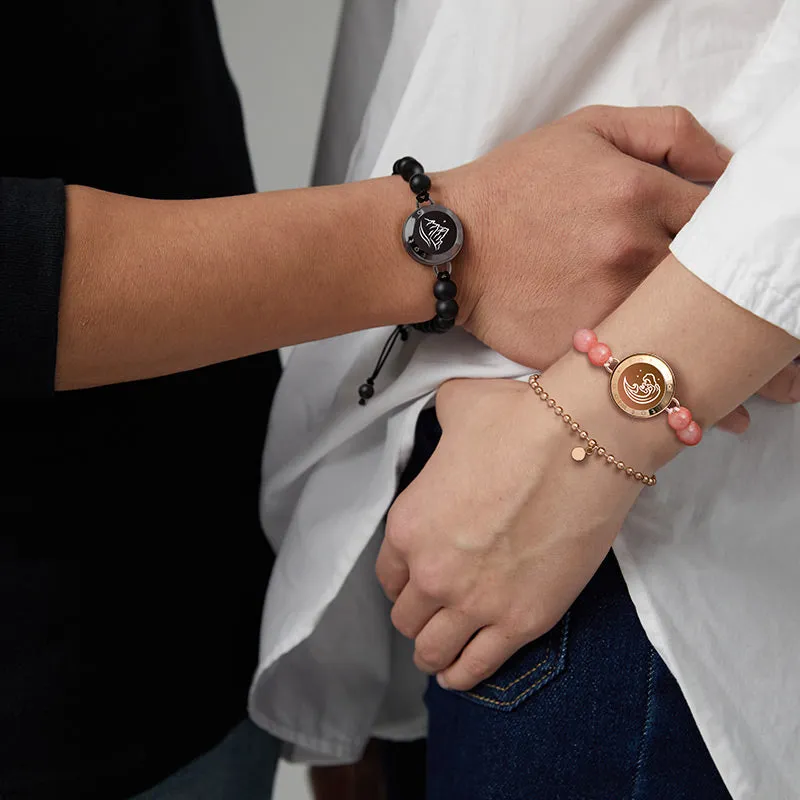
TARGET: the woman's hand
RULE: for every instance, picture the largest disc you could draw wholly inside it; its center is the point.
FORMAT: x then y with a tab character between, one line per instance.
501	531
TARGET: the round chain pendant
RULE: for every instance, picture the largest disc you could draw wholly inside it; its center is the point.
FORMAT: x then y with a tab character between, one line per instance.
433	235
643	385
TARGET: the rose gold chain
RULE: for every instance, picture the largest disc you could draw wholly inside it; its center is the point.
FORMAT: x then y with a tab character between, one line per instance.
591	447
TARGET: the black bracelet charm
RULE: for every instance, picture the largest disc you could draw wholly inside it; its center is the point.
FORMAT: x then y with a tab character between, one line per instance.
432	235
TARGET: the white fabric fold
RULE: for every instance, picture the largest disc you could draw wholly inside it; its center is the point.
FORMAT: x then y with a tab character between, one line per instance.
712	554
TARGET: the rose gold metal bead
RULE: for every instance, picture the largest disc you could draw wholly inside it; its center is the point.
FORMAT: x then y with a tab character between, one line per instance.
551	403
629	471
567	418
610	459
584	435
620	465
653	481
538	389
601	451
638	476
559	411
575	426
592	443
544	396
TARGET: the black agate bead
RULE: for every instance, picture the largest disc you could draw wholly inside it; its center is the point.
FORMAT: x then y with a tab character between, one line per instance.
446	309
444	289
419	183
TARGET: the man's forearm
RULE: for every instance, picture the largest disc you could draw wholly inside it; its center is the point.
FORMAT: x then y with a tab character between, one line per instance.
153	287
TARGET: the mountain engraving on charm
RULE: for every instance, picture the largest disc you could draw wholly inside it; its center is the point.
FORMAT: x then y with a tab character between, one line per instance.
433	233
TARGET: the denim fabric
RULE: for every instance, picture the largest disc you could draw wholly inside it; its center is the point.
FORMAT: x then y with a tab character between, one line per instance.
587	712
241	767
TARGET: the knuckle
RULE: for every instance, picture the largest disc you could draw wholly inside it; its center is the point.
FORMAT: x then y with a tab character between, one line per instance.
430	578
590	114
632	188
400	526
391	586
402	624
428	656
681	120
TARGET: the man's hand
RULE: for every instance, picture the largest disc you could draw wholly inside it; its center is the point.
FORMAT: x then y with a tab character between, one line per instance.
565	222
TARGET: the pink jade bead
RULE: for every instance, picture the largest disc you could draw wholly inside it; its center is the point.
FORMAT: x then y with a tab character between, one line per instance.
691	435
583	340
680	418
599	353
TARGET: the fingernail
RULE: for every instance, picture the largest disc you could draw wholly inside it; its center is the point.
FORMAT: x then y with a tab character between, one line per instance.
725	153
442	681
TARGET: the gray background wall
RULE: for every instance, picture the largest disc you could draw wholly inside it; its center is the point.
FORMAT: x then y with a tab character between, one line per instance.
280	53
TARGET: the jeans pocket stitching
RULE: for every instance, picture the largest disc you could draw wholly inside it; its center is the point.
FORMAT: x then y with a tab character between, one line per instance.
555	666
518	699
521	677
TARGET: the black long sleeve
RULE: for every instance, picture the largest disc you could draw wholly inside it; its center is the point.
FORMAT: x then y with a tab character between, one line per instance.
132	562
32	222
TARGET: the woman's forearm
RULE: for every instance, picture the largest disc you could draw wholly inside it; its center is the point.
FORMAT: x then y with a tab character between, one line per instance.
721	355
152	287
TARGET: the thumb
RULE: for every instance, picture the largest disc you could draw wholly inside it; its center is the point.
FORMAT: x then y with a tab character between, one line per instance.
662	134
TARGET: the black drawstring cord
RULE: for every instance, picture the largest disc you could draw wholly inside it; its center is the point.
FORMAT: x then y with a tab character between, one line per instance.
433	236
367	389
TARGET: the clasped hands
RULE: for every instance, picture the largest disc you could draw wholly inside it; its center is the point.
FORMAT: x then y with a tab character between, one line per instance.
492	543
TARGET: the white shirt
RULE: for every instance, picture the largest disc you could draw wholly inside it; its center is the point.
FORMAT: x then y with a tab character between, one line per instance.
711	556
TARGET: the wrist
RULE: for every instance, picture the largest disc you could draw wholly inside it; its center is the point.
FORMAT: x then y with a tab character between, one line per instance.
450	190
646	445
400	289
411	283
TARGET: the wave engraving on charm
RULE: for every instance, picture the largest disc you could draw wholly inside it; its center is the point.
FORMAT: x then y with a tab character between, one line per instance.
642	393
643	385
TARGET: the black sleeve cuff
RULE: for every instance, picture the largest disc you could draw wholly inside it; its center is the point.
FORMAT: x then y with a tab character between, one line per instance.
32	223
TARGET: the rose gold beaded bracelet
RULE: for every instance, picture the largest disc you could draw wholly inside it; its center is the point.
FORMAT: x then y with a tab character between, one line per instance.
642	386
590	447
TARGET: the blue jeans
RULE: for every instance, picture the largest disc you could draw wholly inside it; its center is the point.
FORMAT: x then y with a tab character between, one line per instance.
241	767
587	712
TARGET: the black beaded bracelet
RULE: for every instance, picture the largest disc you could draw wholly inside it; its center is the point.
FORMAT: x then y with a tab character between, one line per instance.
433	235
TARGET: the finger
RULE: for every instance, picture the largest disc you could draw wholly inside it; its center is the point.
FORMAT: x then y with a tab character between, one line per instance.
392	570
441	641
738	421
412	611
677	199
481	658
785	386
662	134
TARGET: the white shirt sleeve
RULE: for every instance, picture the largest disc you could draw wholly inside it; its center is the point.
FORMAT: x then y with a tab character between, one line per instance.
744	240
